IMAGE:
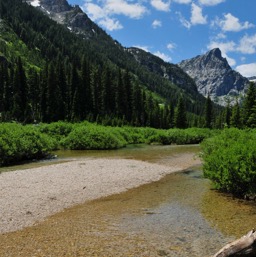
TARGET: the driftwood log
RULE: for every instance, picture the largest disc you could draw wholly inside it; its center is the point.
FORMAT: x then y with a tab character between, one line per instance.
243	247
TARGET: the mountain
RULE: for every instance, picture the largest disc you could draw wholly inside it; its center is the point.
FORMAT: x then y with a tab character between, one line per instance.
214	76
253	79
166	70
165	79
70	16
59	65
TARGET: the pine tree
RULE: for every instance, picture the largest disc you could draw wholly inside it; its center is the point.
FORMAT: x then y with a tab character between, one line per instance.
19	93
235	120
208	112
227	113
249	103
34	94
252	119
180	120
54	103
94	88
85	83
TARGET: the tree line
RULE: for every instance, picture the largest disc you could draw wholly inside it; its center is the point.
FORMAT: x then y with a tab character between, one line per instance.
239	115
62	91
66	92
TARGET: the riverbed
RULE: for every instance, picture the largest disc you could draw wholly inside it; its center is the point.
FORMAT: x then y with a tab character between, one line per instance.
179	215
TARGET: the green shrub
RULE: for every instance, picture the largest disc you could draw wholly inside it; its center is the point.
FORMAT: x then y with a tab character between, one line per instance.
229	160
58	130
93	137
19	143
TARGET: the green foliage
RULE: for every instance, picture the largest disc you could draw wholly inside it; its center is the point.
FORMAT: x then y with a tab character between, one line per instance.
95	137
19	143
180	120
57	130
181	136
230	161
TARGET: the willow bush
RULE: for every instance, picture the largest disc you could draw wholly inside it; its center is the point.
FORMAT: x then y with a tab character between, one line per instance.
84	137
229	160
20	143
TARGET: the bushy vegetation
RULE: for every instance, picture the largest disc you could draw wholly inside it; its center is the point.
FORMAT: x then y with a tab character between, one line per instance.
181	136
19	143
230	161
89	136
26	142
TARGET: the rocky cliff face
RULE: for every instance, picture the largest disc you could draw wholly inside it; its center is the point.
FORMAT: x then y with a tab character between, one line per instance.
214	76
70	16
166	70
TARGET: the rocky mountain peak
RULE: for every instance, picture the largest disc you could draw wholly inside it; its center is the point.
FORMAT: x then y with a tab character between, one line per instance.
215	53
70	16
56	6
214	76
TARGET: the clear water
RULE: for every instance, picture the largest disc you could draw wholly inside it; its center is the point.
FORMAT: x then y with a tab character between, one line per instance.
179	215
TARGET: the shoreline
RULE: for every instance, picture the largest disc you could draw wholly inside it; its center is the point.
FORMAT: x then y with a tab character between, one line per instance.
29	196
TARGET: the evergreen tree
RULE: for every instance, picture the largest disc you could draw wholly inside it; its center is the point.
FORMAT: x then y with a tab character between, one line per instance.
249	103
61	81
208	112
54	103
180	120
128	93
34	95
235	119
252	119
85	83
19	93
227	113
94	88
43	77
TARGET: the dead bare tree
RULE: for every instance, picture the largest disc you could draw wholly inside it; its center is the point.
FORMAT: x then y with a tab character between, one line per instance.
243	247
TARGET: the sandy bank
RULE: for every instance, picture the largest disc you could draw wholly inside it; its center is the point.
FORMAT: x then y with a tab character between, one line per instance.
28	196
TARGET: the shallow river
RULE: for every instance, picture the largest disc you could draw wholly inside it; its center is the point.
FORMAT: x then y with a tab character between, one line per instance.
179	215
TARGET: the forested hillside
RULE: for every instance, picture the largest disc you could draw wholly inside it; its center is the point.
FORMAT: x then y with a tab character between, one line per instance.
49	73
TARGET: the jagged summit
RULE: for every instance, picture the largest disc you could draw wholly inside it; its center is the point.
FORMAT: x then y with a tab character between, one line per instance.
215	52
71	16
214	76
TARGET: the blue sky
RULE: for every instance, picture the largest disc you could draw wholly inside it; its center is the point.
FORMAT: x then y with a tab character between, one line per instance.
176	30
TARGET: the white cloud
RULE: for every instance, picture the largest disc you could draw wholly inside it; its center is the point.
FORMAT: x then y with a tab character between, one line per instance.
171	46
134	11
103	12
197	15
156	24
161	5
110	24
184	21
183	1
163	56
232	23
211	2
94	11
247	70
247	44
225	49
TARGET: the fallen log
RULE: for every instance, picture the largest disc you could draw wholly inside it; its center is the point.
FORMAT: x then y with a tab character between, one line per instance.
243	247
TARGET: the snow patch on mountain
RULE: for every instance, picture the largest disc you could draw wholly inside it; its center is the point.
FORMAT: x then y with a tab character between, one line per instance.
35	3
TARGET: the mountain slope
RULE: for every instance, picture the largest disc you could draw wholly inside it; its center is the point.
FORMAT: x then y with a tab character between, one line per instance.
92	74
214	76
166	70
79	23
